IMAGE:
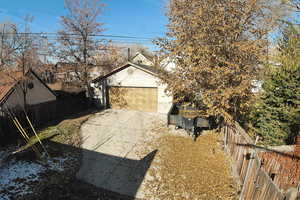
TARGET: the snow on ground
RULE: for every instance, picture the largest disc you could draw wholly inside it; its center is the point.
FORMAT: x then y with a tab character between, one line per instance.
16	177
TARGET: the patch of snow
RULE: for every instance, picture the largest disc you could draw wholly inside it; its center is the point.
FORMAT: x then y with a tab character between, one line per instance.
12	177
21	170
57	164
17	176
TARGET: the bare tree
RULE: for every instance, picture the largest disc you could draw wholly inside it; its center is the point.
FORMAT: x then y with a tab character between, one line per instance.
294	4
18	48
18	52
9	43
141	49
110	56
292	10
26	55
77	43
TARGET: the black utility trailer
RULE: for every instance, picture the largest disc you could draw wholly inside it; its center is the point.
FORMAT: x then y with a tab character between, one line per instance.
186	117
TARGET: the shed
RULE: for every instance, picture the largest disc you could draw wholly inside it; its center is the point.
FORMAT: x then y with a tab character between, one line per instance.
11	91
135	87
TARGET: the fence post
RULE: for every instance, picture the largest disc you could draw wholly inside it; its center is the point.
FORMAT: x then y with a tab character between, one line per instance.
225	136
253	152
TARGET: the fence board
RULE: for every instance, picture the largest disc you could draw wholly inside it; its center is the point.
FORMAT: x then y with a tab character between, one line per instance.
257	183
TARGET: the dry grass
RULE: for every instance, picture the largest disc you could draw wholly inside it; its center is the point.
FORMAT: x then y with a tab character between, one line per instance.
185	169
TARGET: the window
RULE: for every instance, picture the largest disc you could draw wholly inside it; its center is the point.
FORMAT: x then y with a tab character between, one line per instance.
30	85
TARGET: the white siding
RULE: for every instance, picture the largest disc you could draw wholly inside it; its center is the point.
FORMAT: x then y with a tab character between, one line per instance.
141	59
168	64
132	77
164	100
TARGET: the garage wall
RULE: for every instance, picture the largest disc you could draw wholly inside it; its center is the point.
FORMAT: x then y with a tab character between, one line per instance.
164	101
132	77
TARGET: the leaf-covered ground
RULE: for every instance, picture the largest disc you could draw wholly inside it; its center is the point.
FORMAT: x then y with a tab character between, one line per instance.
184	169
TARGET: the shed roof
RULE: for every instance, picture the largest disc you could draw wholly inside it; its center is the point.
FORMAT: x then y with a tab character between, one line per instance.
9	79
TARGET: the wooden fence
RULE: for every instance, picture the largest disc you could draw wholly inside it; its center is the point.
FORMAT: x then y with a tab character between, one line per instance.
40	115
257	184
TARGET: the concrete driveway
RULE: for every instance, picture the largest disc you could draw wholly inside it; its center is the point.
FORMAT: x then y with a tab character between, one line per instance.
111	142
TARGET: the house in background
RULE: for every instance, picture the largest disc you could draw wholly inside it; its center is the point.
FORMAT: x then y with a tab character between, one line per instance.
12	90
133	86
168	64
142	58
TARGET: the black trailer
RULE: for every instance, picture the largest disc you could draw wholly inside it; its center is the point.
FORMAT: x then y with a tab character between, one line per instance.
191	122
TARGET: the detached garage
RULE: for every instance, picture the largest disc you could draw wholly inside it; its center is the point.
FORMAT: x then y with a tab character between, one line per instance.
133	87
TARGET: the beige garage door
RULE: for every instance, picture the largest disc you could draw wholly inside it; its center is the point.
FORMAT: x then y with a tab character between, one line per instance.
133	98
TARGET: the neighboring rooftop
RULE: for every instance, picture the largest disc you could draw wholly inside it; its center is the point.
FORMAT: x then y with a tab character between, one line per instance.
142	58
8	79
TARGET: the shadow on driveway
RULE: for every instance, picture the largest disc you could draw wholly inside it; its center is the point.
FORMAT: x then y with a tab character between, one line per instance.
105	176
117	174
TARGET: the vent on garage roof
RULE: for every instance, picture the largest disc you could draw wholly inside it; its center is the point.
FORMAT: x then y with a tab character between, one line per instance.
130	71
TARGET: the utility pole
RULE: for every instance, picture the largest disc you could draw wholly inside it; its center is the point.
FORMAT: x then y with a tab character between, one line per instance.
2	43
128	54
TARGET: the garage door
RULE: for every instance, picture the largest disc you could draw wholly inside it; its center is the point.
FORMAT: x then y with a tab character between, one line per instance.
133	98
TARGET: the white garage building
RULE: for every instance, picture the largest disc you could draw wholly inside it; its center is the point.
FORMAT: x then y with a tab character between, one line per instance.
135	87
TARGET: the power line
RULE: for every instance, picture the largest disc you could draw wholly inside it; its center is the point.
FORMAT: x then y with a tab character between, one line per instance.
76	34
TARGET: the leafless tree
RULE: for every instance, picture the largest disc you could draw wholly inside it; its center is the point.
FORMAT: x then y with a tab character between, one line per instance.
77	42
294	3
18	52
9	43
110	56
18	48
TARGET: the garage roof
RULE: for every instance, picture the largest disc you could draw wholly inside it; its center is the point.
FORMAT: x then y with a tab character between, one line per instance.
145	68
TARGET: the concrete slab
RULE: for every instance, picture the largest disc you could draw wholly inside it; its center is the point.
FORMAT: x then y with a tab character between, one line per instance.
111	139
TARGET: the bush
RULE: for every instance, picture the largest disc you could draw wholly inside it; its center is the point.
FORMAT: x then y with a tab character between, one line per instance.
276	115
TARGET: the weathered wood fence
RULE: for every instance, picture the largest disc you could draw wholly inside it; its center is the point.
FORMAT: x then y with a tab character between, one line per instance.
257	184
40	115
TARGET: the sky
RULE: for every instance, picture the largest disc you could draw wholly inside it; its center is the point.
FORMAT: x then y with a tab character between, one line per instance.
138	18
